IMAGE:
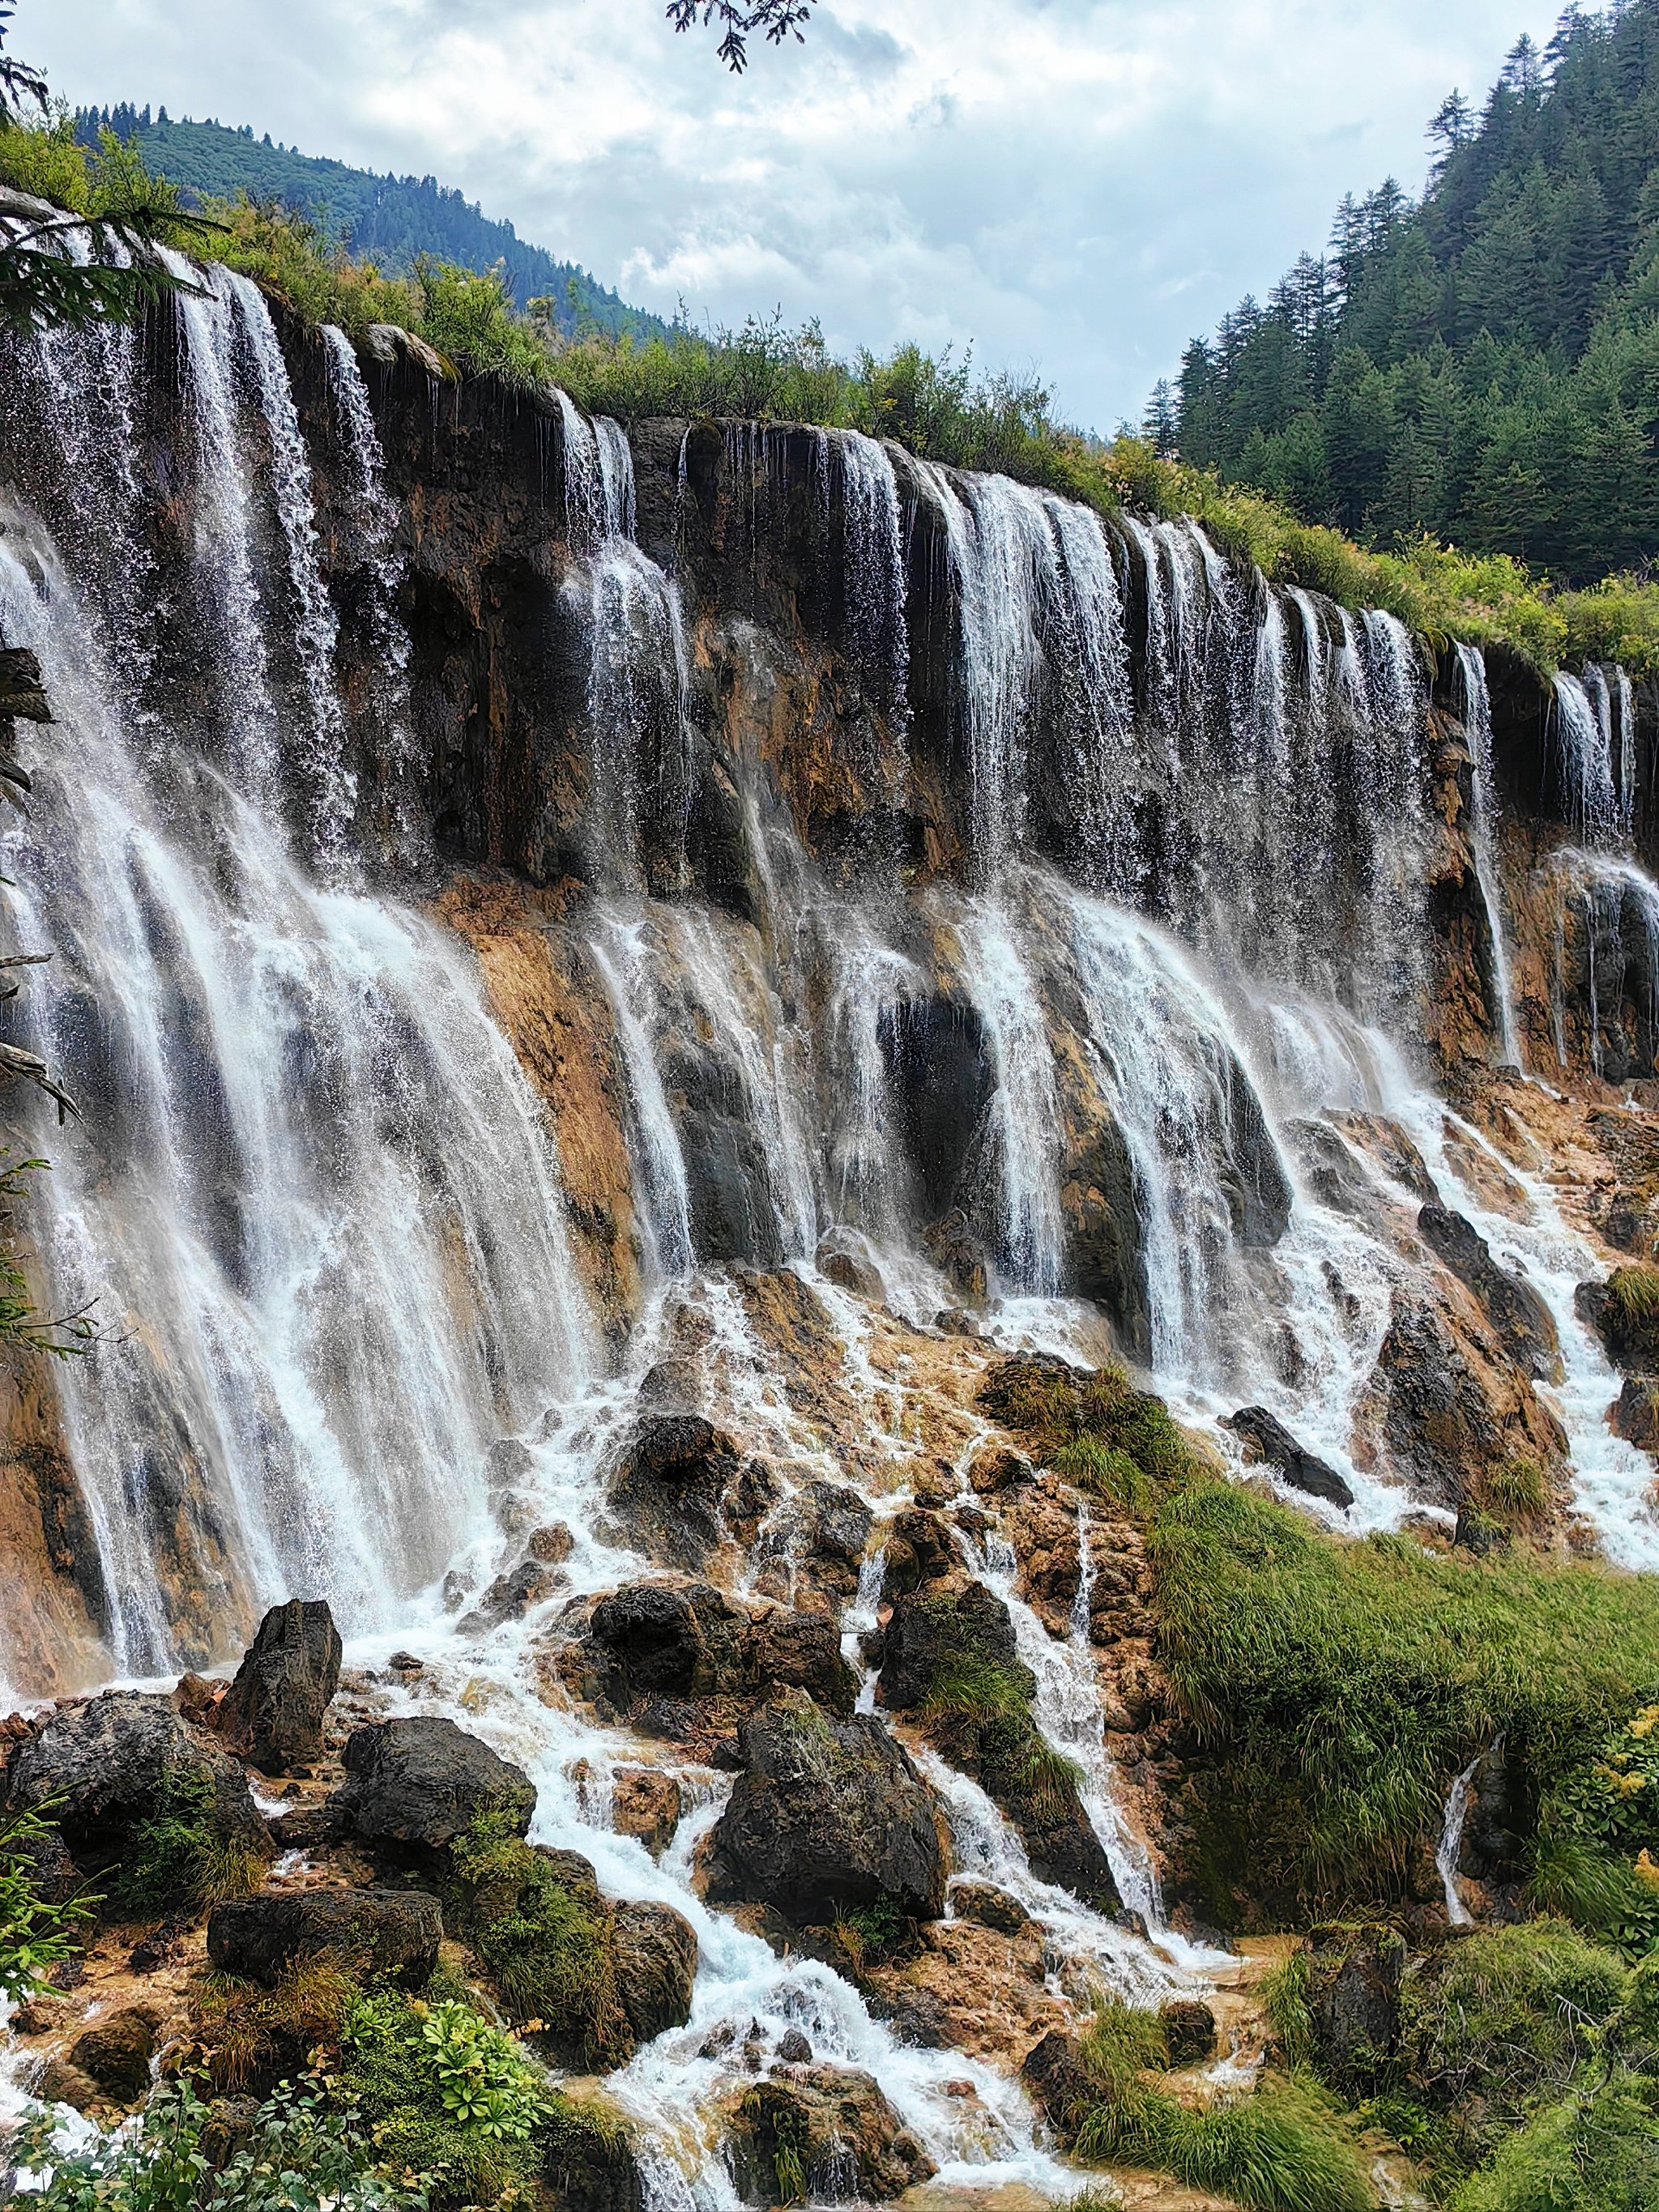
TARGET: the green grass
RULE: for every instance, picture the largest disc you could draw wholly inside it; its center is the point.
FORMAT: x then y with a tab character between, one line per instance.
1277	2151
1093	1427
550	1954
178	1854
1595	2150
940	408
978	1709
1336	1687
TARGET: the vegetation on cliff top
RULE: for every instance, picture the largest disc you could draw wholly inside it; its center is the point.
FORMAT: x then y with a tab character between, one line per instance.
1479	367
940	408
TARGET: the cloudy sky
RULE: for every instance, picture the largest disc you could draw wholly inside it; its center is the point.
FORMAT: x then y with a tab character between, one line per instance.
1073	185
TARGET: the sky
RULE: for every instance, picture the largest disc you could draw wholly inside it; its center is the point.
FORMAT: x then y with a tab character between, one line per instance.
1073	187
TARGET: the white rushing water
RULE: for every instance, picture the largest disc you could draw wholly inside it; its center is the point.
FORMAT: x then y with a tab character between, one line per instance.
319	1203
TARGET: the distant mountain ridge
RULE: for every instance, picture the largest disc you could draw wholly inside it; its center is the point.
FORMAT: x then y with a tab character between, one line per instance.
388	219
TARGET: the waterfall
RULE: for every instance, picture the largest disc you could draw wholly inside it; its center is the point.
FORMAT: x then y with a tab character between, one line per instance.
1477	716
1450	1845
873	538
1585	738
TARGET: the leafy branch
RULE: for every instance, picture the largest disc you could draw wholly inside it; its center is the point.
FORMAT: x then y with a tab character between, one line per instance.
778	19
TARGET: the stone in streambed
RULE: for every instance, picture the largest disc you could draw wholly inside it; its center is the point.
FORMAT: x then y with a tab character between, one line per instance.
393	1932
272	1713
821	2132
1266	1439
108	1764
116	2053
414	1786
827	1815
656	1965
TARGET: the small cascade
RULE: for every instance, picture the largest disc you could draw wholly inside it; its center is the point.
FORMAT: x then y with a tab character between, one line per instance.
1585	740
403	837
1449	1848
329	786
1477	719
873	538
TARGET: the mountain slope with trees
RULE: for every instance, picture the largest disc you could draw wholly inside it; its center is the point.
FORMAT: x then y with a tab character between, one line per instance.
387	219
1482	366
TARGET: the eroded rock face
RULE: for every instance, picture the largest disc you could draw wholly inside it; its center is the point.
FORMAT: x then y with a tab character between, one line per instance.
656	1965
1520	1319
109	1762
272	1713
682	1487
827	1815
412	1786
689	1640
825	2132
393	1932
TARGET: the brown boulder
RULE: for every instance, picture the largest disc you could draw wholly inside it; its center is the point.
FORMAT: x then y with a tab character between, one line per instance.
656	1965
647	1804
821	2133
117	2052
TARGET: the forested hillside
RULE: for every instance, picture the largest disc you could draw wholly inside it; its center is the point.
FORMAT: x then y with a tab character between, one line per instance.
1484	364
388	219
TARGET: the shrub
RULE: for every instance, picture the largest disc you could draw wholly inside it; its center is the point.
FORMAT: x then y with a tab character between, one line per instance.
178	1853
247	2038
36	1933
551	1952
445	2095
299	2157
1339	1685
1595	2150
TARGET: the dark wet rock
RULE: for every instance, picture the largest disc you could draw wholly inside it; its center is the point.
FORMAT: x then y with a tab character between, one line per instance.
684	1639
552	1545
682	1487
62	2083
802	1651
1059	2083
656	1965
272	1713
1265	1438
1636	1415
835	1530
1188	2031
413	1786
590	2163
1456	1410
827	1815
109	1762
159	1948
991	1907
1624	1323
794	2049
922	1635
824	2133
513	1593
1520	1320
850	1271
116	2053
391	1932
941	1075
920	1548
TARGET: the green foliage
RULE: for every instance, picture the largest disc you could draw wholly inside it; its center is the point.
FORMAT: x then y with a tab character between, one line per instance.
111	204
550	1952
871	1932
1501	2017
36	1933
1595	2150
246	2036
1593	1858
445	2095
1094	1428
1275	2151
1478	367
178	1851
978	1707
1339	1687
299	2157
1120	2041
1634	1295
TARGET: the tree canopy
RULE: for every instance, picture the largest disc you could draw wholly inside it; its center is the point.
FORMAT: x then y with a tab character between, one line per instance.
777	19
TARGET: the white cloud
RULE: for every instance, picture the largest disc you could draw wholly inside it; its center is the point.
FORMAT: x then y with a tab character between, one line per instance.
1079	184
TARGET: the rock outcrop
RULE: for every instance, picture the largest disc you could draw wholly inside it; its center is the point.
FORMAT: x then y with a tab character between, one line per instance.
413	1786
390	1933
272	1713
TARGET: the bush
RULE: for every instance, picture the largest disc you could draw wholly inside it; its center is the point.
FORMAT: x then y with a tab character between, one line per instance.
299	2157
1339	1687
36	1933
178	1853
445	2095
1596	2151
550	1952
250	2038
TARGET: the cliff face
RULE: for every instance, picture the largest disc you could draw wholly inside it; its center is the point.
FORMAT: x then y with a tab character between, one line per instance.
899	877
